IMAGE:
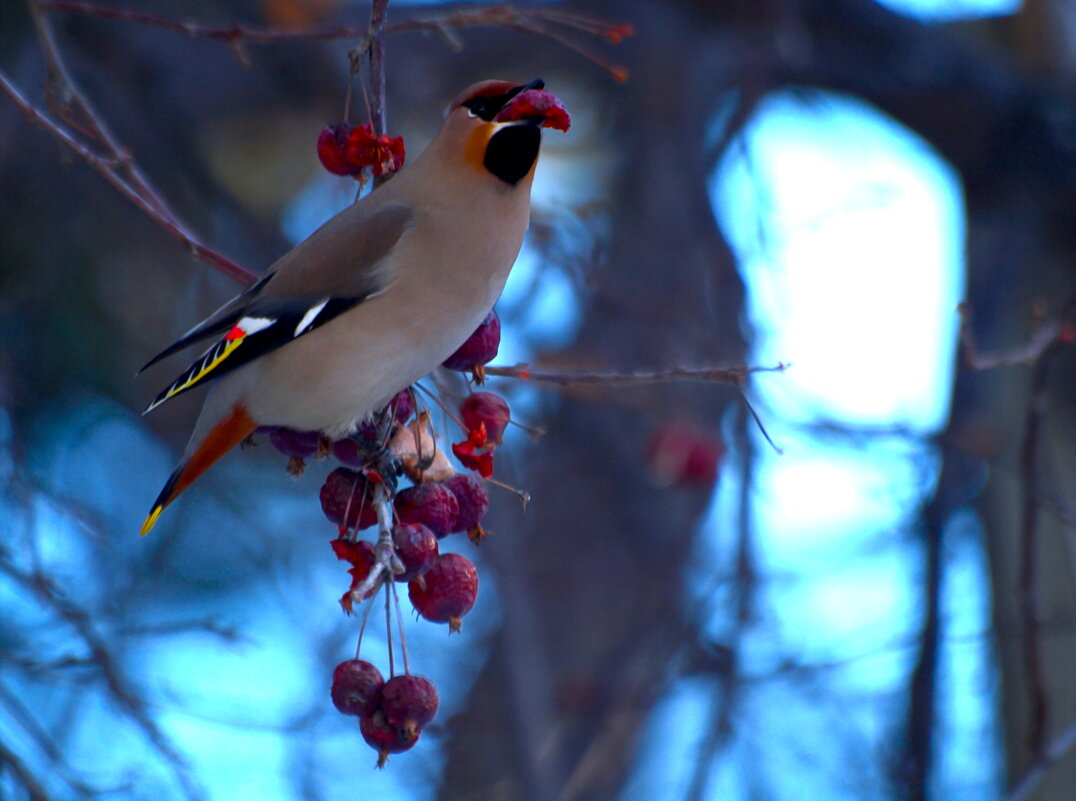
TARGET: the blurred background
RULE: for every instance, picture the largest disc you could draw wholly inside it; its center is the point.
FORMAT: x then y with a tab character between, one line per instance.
881	604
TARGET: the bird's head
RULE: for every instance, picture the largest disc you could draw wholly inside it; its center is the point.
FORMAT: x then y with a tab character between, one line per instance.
496	125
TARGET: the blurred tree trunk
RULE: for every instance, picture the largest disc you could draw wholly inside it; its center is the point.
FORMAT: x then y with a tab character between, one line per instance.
669	294
597	591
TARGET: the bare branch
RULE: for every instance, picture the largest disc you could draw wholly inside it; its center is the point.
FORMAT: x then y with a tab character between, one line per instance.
109	167
538	22
122	693
714	375
1055	750
1046	332
1029	522
378	20
23	775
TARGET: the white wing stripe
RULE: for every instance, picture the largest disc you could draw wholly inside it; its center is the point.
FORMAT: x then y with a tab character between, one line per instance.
308	318
252	325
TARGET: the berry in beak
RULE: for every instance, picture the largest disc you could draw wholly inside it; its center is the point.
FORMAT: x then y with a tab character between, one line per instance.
536	105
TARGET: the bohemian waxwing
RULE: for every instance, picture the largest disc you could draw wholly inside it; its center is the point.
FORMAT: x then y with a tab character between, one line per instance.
378	296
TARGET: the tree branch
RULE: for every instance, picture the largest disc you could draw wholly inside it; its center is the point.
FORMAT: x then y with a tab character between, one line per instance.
538	22
123	694
142	196
1047	331
1058	748
717	375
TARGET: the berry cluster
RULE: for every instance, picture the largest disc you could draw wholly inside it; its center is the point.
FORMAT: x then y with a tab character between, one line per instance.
365	492
348	150
392	714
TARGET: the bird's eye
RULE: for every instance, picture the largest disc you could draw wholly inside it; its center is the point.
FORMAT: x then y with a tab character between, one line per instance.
480	108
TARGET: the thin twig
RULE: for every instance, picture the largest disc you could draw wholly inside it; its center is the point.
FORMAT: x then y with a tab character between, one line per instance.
378	21
362	627
67	99
25	718
1029	519
719	375
1045	333
76	110
400	626
126	697
376	48
229	33
537	22
1057	748
22	774
386	563
388	628
107	167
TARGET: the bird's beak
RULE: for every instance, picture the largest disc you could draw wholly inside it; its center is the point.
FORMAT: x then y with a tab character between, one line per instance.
530	104
537	83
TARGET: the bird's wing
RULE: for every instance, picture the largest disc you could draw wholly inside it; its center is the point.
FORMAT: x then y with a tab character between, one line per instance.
220	320
342	264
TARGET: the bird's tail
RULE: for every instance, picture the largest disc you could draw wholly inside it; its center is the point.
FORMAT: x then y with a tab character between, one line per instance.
224	436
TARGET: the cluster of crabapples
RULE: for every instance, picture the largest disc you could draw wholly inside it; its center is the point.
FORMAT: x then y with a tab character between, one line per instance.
439	502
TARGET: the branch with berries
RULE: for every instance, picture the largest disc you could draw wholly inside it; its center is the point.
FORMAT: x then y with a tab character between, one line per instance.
396	493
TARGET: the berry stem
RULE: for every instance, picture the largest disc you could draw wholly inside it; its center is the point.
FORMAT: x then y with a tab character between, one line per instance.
386	563
362	627
353	533
448	412
524	496
720	375
400	625
388	627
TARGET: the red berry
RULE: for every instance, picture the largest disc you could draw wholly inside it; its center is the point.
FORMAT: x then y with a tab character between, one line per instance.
383	737
447	591
402	406
356	687
488	409
301	444
480	348
682	454
332	149
346	492
537	103
409	703
432	505
417	548
382	154
352	452
472	499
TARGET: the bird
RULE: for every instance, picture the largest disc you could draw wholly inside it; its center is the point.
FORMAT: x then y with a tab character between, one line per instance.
379	295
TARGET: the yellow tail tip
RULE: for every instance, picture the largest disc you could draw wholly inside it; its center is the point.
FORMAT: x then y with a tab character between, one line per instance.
151	520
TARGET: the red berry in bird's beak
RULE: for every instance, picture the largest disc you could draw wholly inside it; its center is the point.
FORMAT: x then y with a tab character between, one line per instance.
447	591
536	103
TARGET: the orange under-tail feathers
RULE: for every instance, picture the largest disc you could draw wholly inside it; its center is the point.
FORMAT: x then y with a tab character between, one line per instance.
225	435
